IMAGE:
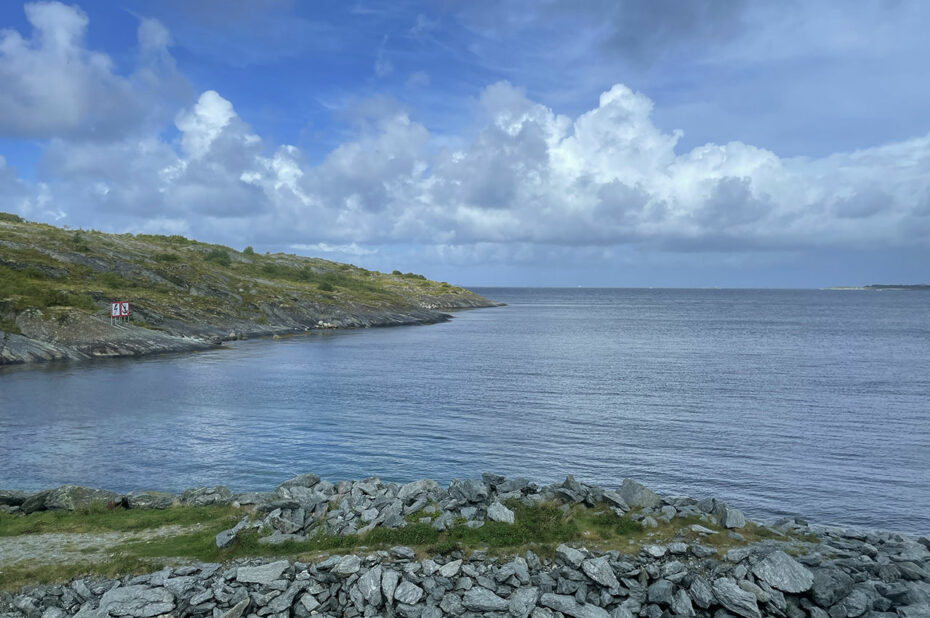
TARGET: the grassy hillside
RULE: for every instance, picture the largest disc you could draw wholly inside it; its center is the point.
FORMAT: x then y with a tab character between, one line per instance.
183	286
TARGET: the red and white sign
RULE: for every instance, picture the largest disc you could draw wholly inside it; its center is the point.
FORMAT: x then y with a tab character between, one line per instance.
119	310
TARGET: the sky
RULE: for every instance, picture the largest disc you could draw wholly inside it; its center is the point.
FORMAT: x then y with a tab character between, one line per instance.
617	143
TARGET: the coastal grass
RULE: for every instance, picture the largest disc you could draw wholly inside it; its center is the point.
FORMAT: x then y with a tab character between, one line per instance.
43	266
540	528
98	518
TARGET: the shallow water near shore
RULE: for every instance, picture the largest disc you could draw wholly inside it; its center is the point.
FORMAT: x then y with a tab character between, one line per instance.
781	402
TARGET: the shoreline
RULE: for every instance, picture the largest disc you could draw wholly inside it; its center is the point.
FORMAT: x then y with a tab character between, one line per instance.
133	341
481	547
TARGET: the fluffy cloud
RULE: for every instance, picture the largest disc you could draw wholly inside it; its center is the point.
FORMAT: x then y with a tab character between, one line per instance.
524	181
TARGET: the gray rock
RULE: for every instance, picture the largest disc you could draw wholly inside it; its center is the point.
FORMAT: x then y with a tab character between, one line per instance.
444	521
656	551
701	593
369	585
569	555
238	609
389	580
649	522
499	512
277	538
781	571
411	491
71	497
474	490
404	553
735	599
151	500
262	574
283	602
661	592
139	601
301	480
206	496
914	611
35	502
635	494
450	569
10	497
829	586
408	593
226	537
598	569
732	518
308	602
681	604
347	565
483	600
523	601
570	607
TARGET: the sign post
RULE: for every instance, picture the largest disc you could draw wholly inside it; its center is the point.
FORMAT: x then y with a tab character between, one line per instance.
119	310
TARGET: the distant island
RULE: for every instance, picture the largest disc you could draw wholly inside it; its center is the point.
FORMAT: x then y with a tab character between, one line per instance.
885	286
57	286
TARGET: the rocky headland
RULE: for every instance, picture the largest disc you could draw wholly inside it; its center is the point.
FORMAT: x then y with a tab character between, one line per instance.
489	547
56	286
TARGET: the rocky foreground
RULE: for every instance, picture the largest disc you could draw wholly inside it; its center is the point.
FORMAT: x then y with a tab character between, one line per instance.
708	565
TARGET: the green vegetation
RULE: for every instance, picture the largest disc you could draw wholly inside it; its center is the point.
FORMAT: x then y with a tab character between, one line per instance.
217	256
10	218
540	528
177	278
98	518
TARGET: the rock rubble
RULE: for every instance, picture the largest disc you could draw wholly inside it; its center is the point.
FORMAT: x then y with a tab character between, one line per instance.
833	573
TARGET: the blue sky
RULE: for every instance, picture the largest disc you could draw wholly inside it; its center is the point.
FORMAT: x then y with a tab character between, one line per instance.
548	142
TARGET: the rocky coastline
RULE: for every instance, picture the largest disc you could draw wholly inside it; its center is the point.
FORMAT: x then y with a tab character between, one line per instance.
711	561
77	336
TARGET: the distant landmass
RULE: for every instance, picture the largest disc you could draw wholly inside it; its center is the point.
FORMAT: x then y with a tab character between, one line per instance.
56	289
885	286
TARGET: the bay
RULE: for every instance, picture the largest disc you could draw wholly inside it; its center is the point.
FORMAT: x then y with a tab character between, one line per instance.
804	402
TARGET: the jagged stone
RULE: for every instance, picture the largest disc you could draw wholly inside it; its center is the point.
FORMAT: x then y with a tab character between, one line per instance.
638	495
781	571
735	599
598	569
262	574
483	600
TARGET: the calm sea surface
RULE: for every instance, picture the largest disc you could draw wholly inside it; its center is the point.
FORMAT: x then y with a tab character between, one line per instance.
803	402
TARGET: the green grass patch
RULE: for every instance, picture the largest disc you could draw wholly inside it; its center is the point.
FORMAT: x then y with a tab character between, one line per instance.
100	519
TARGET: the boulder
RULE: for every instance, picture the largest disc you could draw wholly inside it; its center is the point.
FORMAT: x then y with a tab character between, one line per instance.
301	480
408	593
569	555
522	602
226	537
731	518
150	500
9	497
735	599
661	592
71	497
499	512
138	601
483	600
262	574
35	502
636	494
206	496
570	607
829	586
598	569
781	571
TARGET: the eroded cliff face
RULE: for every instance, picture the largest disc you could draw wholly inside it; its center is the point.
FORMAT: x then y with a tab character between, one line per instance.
56	286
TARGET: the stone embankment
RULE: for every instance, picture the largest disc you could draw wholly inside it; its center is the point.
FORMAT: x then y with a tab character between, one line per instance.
799	571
